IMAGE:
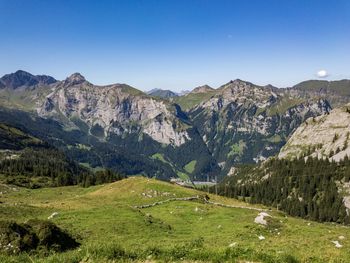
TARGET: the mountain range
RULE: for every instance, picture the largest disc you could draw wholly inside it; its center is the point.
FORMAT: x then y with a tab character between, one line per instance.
203	133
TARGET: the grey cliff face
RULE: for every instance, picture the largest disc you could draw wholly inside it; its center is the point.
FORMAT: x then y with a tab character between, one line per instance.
115	110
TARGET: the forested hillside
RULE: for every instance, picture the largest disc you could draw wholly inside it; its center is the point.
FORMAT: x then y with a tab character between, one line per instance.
312	189
28	161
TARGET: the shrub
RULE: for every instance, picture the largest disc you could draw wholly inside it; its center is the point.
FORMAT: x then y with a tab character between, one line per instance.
35	234
50	236
15	238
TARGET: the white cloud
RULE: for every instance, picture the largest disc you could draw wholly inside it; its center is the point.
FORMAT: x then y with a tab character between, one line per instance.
322	73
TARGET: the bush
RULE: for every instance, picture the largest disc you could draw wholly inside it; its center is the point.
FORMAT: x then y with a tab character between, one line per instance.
35	234
15	238
50	236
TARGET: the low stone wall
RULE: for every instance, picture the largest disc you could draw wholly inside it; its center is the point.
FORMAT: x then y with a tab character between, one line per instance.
198	198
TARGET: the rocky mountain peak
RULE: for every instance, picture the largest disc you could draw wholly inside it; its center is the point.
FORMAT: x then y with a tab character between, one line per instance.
236	84
75	79
239	82
22	78
19	78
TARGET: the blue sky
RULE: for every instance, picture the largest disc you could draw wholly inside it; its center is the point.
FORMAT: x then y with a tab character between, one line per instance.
177	44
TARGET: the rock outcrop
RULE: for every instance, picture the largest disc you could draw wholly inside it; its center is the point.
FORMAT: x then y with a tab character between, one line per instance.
325	136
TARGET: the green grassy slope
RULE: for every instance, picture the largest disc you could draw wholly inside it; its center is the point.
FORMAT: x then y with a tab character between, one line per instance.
190	166
110	228
191	100
24	99
283	105
340	87
13	138
336	92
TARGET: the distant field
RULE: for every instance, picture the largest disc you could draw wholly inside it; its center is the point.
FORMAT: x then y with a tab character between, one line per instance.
109	228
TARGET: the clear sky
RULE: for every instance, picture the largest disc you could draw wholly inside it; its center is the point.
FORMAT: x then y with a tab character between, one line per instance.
177	44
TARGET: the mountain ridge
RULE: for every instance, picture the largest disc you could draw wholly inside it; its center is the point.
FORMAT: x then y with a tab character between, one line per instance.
240	122
22	78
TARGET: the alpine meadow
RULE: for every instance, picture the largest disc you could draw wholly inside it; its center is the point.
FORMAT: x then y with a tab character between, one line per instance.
174	131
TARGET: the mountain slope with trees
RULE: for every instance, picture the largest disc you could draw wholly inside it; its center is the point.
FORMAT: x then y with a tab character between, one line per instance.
28	161
308	189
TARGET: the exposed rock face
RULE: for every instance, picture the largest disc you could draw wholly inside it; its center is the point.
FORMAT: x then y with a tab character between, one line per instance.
162	131
325	136
114	109
74	79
